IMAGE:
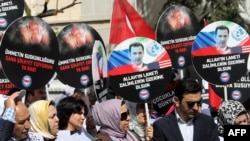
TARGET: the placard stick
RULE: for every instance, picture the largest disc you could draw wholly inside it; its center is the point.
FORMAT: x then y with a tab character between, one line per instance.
225	93
147	116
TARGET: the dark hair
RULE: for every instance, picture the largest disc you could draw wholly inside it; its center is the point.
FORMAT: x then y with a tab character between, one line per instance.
29	92
221	27
78	91
68	106
123	102
246	104
186	86
135	45
242	113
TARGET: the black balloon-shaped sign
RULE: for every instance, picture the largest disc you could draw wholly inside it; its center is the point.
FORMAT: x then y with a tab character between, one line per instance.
29	52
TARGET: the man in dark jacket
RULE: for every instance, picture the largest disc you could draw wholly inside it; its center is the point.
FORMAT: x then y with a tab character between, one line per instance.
186	121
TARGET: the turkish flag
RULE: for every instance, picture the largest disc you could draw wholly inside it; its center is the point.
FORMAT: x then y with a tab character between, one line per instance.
214	99
127	23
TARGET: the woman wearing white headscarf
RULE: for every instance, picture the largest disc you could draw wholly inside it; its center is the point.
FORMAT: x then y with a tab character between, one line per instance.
138	122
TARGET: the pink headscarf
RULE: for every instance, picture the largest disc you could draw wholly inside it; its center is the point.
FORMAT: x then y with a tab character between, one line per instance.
107	115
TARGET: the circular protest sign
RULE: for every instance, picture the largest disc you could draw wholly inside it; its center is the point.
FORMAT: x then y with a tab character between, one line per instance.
99	71
139	69
238	90
220	52
176	31
29	52
76	43
10	10
5	84
163	102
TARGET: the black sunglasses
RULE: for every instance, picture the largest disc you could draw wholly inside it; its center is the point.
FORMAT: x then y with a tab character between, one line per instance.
124	115
190	104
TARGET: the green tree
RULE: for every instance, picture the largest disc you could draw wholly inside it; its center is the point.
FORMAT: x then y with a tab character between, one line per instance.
214	10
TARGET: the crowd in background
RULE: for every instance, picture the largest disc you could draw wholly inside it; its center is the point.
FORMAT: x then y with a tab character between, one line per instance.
71	117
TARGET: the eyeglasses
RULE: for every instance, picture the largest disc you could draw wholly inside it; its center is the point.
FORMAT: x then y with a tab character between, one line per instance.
191	104
124	115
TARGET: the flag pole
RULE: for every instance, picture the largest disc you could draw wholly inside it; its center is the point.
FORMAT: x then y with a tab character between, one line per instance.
147	116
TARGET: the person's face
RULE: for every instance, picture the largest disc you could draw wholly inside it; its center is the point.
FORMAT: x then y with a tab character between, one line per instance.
77	95
221	37
178	17
141	113
39	94
153	50
76	121
22	124
189	106
136	55
32	32
124	118
176	20
77	37
242	120
53	120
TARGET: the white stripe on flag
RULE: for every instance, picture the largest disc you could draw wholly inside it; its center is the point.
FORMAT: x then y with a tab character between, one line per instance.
165	64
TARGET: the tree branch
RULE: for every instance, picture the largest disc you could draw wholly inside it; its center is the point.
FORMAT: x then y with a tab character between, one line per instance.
53	12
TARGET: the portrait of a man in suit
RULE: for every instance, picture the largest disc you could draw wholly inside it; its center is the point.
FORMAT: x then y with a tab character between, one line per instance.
221	39
136	54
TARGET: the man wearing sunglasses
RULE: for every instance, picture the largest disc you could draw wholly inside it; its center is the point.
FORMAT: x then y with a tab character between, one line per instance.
186	122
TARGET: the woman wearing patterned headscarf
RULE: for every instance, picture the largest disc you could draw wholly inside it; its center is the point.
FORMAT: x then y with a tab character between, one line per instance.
113	117
43	119
231	112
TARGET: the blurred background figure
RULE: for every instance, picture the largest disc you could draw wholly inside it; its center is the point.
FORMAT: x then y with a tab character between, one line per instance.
67	92
37	94
71	91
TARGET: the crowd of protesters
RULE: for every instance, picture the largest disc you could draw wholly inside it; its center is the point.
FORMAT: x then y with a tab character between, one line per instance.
115	119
